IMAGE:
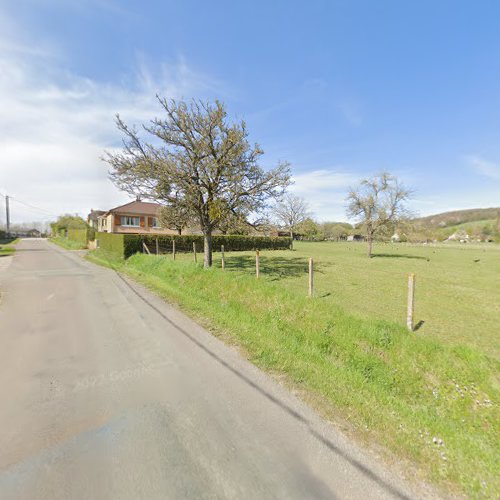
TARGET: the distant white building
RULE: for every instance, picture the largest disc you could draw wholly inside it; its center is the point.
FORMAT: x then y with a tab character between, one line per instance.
460	236
355	237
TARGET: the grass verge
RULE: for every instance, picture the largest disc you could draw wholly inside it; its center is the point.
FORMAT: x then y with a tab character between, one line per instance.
431	403
67	244
7	246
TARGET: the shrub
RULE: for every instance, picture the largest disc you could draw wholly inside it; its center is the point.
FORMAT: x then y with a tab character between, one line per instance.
78	235
112	243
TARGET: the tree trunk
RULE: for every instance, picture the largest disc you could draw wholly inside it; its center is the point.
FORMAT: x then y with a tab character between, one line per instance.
179	231
370	245
207	242
291	238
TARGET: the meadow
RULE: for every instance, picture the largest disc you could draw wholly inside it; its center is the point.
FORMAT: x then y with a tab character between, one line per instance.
457	297
427	400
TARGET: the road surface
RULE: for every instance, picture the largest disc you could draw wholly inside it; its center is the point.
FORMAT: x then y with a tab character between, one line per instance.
108	392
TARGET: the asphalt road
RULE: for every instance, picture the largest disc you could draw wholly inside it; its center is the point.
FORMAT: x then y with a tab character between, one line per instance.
108	392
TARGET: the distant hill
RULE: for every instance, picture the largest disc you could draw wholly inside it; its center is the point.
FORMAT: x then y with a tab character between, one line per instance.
456	217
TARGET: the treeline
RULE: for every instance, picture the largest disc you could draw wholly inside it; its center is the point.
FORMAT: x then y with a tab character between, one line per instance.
410	230
311	230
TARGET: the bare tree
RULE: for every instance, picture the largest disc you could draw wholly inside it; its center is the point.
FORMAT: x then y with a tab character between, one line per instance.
198	162
291	211
377	203
175	216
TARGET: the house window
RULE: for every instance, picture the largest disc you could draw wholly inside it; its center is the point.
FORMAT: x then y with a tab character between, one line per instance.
131	221
153	222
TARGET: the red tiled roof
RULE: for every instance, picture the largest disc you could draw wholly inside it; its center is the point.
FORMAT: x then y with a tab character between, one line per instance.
137	207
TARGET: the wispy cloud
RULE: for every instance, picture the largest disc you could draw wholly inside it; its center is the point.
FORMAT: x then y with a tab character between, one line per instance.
325	191
55	124
351	112
484	167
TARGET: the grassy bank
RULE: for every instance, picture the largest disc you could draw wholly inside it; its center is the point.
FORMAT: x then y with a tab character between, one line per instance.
67	244
431	402
7	246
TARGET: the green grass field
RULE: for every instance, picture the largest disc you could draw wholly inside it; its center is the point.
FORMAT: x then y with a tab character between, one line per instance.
457	298
430	398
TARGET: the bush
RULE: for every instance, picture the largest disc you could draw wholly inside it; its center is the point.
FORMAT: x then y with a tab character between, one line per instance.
126	245
78	235
112	243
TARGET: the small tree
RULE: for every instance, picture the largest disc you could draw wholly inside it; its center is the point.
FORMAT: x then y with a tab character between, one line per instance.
200	163
67	221
377	203
335	230
309	229
290	212
175	217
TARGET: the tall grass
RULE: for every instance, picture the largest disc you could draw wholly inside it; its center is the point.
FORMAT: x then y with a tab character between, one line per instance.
430	402
67	243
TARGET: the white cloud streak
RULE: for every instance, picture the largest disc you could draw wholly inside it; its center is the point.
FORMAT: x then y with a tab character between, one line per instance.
55	125
325	191
484	167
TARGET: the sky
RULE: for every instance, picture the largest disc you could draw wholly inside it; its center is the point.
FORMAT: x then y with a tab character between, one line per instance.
340	89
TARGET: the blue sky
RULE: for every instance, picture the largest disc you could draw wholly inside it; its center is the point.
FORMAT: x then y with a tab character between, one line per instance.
340	89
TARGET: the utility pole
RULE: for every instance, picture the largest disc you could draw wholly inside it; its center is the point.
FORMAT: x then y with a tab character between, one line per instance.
7	214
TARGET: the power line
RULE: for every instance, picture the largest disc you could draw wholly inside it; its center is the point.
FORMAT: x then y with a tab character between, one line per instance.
33	207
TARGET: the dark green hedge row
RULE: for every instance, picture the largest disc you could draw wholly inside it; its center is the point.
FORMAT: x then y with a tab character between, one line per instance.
126	245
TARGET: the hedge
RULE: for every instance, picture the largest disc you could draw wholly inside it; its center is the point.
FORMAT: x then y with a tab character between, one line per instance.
112	243
125	245
78	235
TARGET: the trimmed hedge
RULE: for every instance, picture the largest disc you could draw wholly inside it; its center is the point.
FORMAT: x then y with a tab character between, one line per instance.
111	243
78	235
126	245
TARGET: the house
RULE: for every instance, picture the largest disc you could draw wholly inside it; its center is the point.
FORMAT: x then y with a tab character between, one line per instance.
460	236
355	237
33	233
136	217
92	218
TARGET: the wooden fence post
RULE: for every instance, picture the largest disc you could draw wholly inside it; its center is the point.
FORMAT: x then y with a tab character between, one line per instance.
194	252
222	261
145	248
257	264
311	277
157	247
173	248
411	300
